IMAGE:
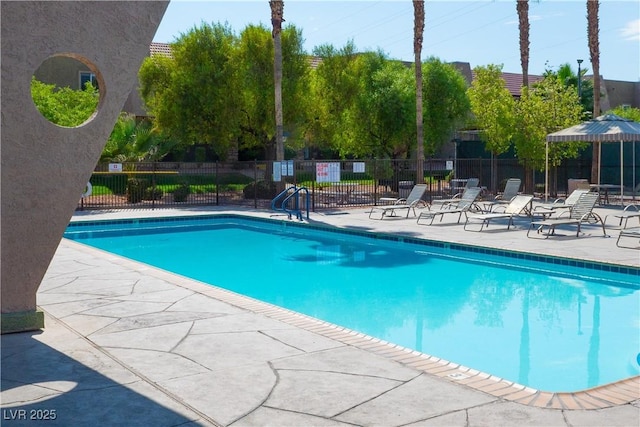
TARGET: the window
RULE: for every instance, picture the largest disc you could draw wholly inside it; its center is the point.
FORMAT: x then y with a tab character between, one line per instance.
85	77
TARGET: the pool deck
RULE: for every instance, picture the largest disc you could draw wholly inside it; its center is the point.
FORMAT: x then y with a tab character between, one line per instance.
128	344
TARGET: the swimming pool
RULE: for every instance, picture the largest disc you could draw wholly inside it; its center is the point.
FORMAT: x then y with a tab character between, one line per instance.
548	323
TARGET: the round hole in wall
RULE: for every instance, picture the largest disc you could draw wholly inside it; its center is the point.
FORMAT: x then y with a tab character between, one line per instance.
66	89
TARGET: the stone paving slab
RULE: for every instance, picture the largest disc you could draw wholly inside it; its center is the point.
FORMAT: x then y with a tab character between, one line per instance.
126	344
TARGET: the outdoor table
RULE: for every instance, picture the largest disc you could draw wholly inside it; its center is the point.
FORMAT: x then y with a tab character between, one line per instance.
605	189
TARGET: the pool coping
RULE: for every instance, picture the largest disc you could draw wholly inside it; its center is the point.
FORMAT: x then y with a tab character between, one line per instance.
609	395
512	254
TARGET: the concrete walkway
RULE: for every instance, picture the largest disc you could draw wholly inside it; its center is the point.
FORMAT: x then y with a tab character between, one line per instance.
130	345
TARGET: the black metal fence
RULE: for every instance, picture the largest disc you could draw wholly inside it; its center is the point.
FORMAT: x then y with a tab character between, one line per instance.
331	184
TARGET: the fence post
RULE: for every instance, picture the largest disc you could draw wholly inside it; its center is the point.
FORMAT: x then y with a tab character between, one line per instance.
217	186
153	186
375	181
255	184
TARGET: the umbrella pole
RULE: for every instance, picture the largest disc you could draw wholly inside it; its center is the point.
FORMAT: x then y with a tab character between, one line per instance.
599	162
621	174
546	171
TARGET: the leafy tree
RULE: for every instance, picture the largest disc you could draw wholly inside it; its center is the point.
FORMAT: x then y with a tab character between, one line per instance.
254	59
446	104
547	107
333	91
64	106
155	80
627	113
382	118
194	95
493	108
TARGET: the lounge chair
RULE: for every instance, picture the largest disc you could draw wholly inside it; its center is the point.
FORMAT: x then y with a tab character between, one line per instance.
630	211
518	204
463	206
581	212
469	194
413	200
511	189
633	233
548	209
469	183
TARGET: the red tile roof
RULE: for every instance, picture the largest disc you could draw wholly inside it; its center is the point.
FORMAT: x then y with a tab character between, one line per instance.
513	82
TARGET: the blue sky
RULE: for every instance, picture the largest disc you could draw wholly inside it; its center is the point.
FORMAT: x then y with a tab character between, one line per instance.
479	32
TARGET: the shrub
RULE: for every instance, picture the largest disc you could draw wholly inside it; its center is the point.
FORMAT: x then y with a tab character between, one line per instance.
136	189
260	189
181	193
153	193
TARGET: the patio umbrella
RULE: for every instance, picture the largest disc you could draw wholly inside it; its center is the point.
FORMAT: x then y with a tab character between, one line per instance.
604	129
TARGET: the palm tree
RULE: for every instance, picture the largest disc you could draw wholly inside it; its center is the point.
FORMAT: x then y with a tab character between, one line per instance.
418	31
277	10
522	6
593	7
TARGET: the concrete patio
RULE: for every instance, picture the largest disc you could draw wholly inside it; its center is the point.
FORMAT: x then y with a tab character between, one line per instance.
128	344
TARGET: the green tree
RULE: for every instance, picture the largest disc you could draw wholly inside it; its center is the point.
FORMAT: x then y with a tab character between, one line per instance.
626	112
64	106
333	91
493	108
446	104
382	117
194	94
254	59
550	105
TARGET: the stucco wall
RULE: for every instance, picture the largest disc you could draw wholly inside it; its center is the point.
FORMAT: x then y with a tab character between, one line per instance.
44	167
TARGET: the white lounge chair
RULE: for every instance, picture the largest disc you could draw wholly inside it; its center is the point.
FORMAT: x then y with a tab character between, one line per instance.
468	194
518	204
548	209
463	205
581	212
413	200
633	233
630	211
511	190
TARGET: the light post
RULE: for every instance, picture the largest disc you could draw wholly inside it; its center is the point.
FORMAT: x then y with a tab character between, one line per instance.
579	80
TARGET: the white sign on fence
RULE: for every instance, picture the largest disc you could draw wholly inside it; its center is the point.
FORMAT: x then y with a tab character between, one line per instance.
277	172
358	167
328	172
115	167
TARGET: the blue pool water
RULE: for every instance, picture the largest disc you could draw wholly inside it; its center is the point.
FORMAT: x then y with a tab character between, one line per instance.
548	323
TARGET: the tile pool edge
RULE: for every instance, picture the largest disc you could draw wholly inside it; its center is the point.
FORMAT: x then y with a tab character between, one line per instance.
376	235
610	395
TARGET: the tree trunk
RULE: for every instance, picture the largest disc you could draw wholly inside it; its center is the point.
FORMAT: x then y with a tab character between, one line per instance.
593	7
522	7
418	31
277	10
